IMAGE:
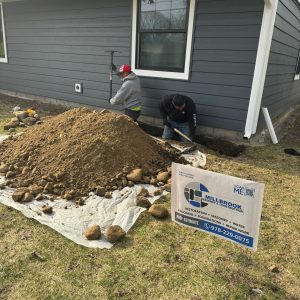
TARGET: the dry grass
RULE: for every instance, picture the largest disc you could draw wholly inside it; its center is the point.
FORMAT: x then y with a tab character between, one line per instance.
162	260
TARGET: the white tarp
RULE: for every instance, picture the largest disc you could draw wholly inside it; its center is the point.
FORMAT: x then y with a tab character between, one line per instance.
120	210
218	204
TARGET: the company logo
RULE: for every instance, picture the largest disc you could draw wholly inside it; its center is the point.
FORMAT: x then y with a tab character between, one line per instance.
193	194
199	196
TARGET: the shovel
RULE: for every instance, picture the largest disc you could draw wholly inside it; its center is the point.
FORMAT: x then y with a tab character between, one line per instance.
190	149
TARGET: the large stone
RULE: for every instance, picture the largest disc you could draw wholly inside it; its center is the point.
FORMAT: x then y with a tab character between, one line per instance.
29	121
135	175
39	197
35	189
10	174
144	192
27	197
21	115
163	176
93	232
100	191
4	168
114	233
158	192
143	202
19	194
158	211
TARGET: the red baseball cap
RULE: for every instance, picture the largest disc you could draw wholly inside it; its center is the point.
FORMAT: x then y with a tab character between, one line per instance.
125	68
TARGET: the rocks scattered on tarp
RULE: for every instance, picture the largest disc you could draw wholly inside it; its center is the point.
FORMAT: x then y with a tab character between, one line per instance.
93	232
114	233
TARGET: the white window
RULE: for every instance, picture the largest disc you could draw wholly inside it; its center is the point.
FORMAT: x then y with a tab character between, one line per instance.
297	73
162	38
3	51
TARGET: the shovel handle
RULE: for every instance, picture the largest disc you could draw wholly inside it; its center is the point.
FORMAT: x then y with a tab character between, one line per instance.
183	135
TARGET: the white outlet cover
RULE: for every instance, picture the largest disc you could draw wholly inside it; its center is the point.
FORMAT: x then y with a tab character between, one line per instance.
78	87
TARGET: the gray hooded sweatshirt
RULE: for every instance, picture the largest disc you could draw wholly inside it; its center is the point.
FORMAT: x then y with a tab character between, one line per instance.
129	95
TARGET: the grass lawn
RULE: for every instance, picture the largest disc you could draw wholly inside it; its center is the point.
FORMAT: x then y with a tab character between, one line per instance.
162	260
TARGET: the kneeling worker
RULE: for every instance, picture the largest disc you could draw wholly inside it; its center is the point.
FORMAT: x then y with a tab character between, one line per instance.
129	95
178	111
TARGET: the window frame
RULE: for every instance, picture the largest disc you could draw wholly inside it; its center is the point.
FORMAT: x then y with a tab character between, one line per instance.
3	59
188	53
297	75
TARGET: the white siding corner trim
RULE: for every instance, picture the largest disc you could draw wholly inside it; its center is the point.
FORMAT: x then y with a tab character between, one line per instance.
161	74
262	58
3	60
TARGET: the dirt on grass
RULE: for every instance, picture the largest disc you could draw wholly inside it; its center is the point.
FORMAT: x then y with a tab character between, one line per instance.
81	151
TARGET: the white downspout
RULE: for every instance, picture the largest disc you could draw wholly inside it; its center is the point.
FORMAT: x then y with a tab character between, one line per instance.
260	71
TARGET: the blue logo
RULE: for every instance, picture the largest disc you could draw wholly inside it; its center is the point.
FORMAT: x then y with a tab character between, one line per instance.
193	194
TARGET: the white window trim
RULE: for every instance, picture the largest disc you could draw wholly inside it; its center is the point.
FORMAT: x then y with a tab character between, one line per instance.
3	60
163	74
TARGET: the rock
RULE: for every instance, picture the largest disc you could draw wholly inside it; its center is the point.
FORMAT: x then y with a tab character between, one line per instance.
29	121
48	210
130	183
147	179
69	195
93	232
135	175
167	187
14	120
39	197
169	170
143	193
143	202
2	186
4	168
108	195
158	192
27	197
48	187
11	168
10	174
153	181
9	126
21	115
274	269
25	170
160	183
35	189
158	211
124	181
12	130
80	202
163	176
19	194
114	233
100	191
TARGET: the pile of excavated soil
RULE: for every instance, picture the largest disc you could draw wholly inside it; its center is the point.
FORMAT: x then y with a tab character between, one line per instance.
81	151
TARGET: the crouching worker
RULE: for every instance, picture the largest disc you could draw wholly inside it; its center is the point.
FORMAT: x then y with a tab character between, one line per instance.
129	95
178	111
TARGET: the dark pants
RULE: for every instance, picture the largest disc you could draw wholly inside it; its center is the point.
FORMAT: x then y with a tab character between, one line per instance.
134	115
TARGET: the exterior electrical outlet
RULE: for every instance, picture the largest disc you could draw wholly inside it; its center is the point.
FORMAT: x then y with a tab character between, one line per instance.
78	88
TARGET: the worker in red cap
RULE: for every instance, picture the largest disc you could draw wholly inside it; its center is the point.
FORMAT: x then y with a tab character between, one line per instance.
129	95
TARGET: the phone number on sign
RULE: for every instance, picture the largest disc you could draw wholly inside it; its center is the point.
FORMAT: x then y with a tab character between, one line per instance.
225	232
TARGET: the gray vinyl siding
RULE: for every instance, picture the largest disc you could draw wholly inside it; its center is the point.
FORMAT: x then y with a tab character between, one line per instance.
53	44
281	90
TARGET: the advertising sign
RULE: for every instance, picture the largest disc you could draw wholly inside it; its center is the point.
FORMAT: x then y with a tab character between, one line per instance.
218	204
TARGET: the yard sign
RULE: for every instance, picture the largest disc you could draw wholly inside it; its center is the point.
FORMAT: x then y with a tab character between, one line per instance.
222	205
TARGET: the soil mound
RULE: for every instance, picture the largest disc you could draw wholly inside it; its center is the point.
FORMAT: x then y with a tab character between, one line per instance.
80	151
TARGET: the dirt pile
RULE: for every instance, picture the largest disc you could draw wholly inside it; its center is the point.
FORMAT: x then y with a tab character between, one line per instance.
81	151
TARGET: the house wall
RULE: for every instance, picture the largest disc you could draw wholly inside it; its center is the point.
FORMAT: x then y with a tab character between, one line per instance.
281	90
53	44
